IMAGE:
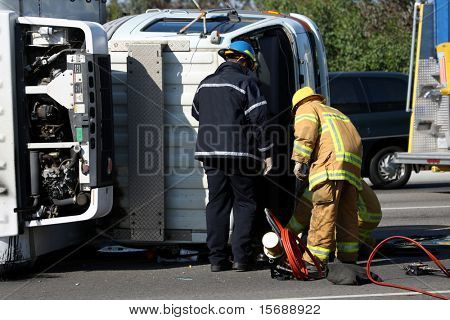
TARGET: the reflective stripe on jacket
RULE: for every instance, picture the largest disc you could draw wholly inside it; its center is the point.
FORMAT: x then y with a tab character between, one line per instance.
327	139
232	114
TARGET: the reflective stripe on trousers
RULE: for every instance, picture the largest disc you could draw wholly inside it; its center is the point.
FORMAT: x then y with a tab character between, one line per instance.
347	247
321	253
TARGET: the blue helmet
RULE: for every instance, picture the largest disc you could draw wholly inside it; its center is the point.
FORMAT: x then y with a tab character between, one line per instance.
240	46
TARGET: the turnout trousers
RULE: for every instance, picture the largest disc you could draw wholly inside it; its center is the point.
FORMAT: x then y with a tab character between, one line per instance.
229	191
334	222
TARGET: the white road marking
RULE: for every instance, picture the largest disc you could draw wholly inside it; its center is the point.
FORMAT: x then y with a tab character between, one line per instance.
413	208
350	296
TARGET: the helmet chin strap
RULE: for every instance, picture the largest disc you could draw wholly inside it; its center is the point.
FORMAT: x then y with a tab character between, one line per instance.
243	61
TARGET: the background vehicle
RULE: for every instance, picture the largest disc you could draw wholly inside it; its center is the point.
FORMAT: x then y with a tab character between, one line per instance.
55	126
157	65
375	102
429	143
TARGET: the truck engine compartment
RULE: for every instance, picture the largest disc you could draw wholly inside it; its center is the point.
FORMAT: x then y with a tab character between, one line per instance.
58	85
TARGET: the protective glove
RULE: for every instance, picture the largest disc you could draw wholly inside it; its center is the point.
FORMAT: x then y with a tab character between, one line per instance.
268	165
301	171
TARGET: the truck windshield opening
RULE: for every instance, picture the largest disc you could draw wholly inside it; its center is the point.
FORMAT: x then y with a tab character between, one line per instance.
222	25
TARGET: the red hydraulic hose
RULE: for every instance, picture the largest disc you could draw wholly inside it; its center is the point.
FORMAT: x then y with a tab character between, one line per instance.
294	249
397	286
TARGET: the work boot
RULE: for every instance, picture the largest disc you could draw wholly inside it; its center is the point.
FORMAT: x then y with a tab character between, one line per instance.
221	267
242	267
314	273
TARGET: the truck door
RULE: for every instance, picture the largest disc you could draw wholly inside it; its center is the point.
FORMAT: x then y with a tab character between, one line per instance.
312	56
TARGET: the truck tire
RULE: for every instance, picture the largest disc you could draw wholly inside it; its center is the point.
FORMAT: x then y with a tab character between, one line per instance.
384	174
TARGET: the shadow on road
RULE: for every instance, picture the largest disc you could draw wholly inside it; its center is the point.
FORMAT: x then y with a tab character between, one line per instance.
435	238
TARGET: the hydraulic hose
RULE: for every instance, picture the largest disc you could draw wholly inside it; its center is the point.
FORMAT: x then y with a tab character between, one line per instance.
294	248
397	286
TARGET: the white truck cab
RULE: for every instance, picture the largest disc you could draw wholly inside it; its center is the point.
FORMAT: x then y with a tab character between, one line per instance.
56	126
158	60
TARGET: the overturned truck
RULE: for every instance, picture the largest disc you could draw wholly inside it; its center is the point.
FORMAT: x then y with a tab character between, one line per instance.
158	60
69	123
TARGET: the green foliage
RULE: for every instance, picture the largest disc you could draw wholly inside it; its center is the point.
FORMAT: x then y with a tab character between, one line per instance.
114	9
359	35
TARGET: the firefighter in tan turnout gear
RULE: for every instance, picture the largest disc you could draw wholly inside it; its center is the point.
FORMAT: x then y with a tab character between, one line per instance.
369	215
329	146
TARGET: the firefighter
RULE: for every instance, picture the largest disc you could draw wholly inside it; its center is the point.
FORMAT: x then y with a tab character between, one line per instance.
231	112
328	151
369	215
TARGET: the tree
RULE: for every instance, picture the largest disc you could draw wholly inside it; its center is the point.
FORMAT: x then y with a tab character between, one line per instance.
359	35
114	9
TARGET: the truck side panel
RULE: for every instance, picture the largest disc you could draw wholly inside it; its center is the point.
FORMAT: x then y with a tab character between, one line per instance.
8	202
185	184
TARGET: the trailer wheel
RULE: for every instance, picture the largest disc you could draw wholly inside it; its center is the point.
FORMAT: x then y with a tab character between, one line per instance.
384	173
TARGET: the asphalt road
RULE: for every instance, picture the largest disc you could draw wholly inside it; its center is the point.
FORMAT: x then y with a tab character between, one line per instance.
421	208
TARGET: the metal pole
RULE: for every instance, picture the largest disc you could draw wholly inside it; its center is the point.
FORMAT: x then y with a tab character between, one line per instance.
411	60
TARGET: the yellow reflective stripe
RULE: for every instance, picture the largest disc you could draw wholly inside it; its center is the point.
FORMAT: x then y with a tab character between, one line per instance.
350	158
371	217
375	215
365	234
321	253
341	154
302	149
295	226
317	178
347	247
345	175
337	116
310	117
336	137
364	215
362	209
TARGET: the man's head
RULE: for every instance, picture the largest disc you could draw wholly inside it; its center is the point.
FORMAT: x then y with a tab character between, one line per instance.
240	52
304	95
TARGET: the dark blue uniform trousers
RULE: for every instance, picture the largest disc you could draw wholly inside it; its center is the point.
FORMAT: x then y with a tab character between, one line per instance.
229	190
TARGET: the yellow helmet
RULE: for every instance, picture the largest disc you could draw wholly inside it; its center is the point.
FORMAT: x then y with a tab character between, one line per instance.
305	93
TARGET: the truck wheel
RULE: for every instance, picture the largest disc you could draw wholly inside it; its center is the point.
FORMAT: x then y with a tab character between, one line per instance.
384	173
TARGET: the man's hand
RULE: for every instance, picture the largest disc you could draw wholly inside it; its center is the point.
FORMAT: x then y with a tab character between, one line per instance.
268	165
301	170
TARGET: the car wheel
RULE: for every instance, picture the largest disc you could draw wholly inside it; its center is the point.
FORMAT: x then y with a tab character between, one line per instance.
384	173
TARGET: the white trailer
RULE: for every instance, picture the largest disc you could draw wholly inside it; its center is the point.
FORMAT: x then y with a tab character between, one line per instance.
161	191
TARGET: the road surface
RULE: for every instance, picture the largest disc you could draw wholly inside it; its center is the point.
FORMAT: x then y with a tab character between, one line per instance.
421	208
